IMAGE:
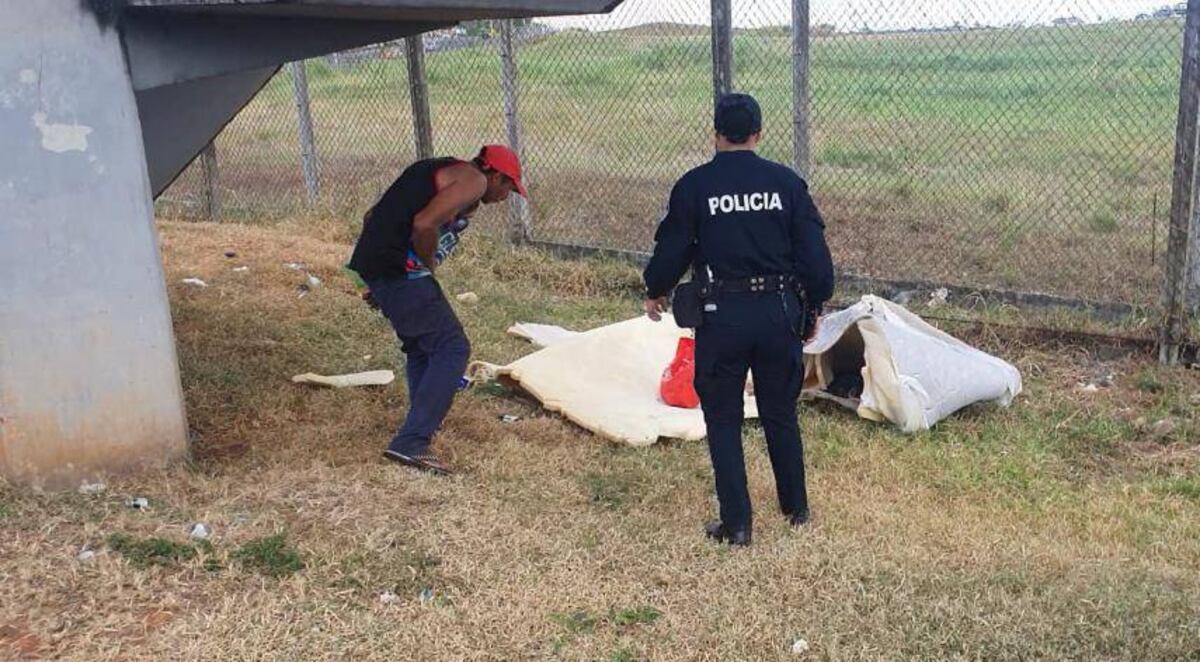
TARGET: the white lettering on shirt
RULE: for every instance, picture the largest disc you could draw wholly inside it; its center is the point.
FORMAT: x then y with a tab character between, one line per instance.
744	202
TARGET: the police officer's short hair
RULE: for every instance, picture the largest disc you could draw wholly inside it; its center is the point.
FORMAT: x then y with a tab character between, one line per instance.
737	117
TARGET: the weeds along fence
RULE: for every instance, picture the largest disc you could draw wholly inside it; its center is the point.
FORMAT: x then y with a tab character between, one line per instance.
1025	147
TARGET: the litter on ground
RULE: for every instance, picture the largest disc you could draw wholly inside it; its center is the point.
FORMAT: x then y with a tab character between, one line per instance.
92	488
369	378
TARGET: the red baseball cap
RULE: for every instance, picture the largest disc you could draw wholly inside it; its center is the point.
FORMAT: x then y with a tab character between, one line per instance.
502	159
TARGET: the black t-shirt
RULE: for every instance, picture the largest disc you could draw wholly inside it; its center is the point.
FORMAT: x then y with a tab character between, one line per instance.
382	248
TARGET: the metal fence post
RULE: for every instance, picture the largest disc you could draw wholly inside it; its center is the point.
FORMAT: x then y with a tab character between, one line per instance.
800	102
519	217
212	193
308	149
418	93
722	48
1183	191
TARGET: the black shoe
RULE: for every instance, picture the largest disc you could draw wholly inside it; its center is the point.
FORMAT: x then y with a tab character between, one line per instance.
798	519
717	531
427	462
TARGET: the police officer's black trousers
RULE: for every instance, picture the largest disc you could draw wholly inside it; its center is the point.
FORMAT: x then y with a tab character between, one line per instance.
758	332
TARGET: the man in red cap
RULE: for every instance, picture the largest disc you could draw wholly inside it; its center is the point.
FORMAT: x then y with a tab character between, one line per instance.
406	236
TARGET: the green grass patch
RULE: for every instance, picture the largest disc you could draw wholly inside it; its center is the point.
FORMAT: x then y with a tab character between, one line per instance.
635	616
622	655
576	622
148	552
609	491
271	556
1103	222
1188	488
1148	383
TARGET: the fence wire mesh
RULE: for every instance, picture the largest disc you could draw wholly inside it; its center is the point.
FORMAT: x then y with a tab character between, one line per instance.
1024	145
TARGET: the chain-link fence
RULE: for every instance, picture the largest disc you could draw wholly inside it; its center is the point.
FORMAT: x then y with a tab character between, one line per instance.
1023	145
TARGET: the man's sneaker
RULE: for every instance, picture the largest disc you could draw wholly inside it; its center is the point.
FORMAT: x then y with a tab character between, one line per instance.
716	530
427	462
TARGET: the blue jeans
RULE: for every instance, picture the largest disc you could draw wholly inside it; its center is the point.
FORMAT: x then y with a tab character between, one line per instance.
437	349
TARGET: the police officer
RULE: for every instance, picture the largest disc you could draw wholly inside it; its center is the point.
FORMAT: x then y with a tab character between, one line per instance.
755	241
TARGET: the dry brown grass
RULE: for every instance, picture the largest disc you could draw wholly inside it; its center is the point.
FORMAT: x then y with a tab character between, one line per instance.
1063	527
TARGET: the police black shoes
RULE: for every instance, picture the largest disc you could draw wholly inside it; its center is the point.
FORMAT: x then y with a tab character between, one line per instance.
716	530
798	518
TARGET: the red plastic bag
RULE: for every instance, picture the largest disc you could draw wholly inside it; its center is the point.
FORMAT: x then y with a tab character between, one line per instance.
676	388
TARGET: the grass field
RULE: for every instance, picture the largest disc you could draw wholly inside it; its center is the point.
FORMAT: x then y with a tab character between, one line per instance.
1034	159
1065	527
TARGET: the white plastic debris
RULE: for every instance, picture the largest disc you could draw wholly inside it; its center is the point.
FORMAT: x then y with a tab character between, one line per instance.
313	281
800	647
199	532
294	266
138	503
242	269
938	298
369	378
86	555
468	297
1087	388
194	282
92	488
426	595
1163	428
509	418
388	598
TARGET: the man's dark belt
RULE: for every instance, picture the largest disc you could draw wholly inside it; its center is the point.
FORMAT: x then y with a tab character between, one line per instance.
771	283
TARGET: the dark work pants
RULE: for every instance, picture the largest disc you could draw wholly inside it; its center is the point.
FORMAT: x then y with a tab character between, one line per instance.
752	331
436	348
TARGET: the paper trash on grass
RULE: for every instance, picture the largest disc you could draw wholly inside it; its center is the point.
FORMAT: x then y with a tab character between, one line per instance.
369	378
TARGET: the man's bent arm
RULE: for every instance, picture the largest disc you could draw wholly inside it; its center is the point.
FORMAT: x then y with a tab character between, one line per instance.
457	196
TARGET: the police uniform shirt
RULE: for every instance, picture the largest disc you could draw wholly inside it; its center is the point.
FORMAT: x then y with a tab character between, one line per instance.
742	216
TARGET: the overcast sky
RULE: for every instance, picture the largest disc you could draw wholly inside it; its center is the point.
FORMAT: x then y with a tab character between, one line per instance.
876	14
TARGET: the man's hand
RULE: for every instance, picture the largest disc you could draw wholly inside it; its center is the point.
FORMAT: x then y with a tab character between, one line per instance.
655	308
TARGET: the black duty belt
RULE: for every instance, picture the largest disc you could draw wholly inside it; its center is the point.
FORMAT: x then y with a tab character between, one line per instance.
772	283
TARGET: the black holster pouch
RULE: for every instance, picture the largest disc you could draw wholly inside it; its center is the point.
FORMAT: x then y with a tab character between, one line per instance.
688	300
687	304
